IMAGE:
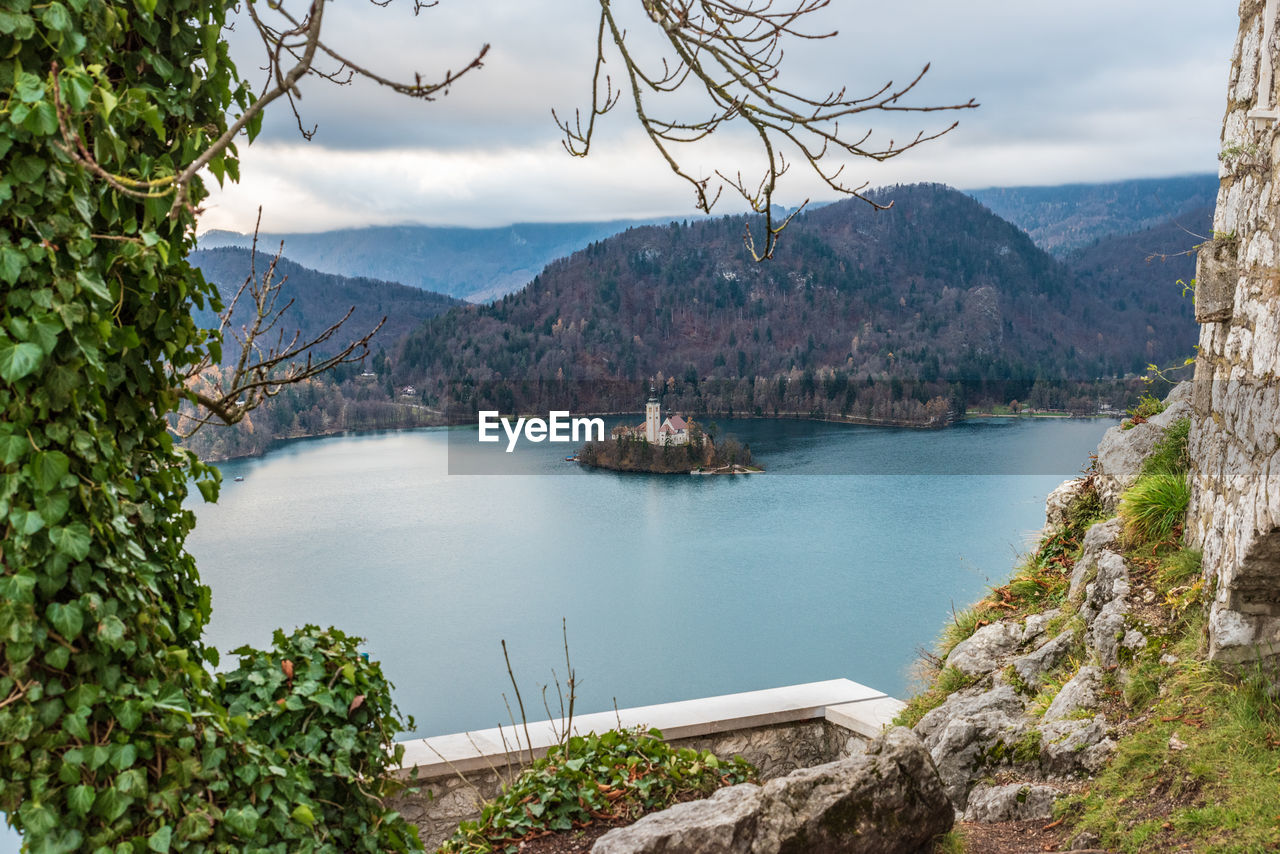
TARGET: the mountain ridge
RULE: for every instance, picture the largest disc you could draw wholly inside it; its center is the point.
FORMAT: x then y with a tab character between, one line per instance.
1062	218
936	290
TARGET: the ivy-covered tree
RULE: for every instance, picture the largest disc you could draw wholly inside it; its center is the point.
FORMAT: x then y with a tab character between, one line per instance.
114	734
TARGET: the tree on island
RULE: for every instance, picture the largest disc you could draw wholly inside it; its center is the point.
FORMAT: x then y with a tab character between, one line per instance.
118	734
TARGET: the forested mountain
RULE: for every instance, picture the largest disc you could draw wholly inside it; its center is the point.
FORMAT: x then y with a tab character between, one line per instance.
1064	218
319	299
882	314
1141	270
476	264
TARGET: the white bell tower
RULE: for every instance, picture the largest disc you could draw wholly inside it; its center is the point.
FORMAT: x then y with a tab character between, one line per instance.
652	419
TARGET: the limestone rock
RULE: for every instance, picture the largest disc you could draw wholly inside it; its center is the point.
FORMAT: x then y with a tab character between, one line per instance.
1074	747
888	799
1012	802
1108	631
1060	501
969	729
1032	666
1082	691
726	821
1121	452
1087	840
1035	624
981	652
1100	537
1109	588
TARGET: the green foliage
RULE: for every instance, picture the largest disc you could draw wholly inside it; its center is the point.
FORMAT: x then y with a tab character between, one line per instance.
1154	506
951	842
1146	407
315	700
114	734
1085	510
1179	568
620	774
1170	456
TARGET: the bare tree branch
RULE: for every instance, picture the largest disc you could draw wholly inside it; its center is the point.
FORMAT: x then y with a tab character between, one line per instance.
264	366
291	53
734	50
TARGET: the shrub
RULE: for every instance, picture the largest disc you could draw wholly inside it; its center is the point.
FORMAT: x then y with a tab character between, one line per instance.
1154	506
619	774
326	713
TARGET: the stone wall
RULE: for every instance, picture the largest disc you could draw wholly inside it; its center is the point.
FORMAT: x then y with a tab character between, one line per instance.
1235	516
777	750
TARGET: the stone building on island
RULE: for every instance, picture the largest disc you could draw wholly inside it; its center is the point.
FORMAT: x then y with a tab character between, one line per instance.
674	430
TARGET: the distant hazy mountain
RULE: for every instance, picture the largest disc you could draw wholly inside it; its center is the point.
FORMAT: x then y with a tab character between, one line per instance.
319	299
476	264
1060	219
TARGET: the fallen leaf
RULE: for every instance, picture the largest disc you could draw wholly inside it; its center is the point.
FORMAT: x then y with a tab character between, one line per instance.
356	703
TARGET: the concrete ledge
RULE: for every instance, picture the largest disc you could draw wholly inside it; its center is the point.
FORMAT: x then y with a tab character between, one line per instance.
843	702
866	717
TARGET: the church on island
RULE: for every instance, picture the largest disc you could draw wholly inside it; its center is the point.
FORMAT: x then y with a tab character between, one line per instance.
674	430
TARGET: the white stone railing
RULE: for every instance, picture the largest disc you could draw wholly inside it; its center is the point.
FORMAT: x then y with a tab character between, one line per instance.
778	730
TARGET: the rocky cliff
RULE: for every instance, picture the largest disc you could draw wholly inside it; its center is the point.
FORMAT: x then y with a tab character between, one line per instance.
1235	449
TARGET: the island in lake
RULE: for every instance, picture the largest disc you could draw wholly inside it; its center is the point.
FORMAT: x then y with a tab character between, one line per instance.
672	445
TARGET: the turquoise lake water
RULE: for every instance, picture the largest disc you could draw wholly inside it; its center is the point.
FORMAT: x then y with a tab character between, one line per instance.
841	561
672	587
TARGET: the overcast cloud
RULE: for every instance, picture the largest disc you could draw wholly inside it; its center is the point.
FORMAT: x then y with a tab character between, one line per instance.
1092	90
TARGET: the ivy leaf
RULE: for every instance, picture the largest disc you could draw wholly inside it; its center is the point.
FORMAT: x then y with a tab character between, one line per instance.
48	468
159	841
73	540
68	619
29	87
78	89
129	714
172	699
111	632
19	587
46	331
123	756
11	262
93	283
25	522
208	490
18	360
56	18
80	799
303	814
42	119
111	804
12	449
243	822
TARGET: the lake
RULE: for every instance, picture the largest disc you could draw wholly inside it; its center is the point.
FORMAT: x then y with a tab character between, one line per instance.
842	560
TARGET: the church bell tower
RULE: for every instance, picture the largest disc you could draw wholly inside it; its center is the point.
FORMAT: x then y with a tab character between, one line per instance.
652	419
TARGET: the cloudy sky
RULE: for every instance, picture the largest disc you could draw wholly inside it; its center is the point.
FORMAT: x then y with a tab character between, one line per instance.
1092	90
